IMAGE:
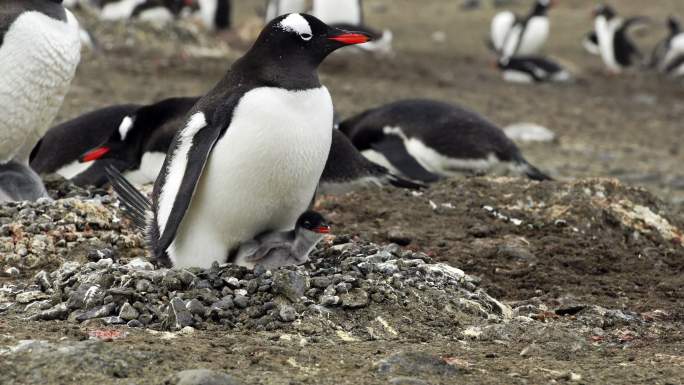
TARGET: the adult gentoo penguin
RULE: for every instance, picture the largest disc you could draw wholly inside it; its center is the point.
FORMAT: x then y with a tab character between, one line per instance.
425	140
668	53
252	150
532	69
275	8
40	49
512	35
348	14
136	138
616	48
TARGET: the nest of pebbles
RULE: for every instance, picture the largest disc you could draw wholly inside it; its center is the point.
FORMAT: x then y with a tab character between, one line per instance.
343	277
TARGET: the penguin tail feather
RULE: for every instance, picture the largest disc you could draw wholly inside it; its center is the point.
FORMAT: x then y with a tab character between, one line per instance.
533	173
404	183
134	205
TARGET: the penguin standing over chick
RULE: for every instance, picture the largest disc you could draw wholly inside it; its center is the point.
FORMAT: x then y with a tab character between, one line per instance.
251	152
40	48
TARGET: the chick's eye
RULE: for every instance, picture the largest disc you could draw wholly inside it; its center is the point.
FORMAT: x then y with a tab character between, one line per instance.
306	36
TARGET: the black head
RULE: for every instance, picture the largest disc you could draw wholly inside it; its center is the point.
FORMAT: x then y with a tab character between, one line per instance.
302	40
312	221
605	10
674	25
124	144
541	7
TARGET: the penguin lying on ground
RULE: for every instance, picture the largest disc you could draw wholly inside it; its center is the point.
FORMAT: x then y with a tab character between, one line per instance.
214	14
348	15
616	48
137	136
425	140
252	150
40	49
532	69
511	35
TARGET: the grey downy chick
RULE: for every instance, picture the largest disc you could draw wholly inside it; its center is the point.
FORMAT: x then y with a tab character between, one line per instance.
275	249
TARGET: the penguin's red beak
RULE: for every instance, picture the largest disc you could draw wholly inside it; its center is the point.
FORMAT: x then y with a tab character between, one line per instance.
349	38
94	154
322	229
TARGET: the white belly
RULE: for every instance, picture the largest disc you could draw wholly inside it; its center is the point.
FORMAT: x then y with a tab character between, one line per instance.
338	11
120	10
150	165
605	32
38	59
260	176
501	25
535	36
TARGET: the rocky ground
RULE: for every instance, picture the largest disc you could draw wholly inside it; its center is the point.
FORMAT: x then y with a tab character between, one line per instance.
479	280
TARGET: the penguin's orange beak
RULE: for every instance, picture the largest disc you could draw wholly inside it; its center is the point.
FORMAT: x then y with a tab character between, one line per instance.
349	38
322	230
94	154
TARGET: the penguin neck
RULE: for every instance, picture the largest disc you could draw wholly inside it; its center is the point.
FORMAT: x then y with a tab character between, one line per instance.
293	73
539	10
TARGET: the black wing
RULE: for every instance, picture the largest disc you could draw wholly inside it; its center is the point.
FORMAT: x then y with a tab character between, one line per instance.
392	147
202	144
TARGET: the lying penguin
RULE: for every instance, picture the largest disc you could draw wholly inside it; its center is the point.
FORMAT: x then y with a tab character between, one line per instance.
137	137
426	140
213	14
532	69
512	35
40	48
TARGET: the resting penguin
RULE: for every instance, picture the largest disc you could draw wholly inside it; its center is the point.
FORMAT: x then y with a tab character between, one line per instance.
275	8
616	48
40	49
426	140
532	69
214	14
348	14
251	151
512	35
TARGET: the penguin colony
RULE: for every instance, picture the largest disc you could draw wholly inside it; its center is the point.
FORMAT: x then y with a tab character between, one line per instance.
234	181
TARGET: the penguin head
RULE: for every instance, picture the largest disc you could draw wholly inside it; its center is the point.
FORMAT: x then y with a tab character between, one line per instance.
674	25
303	38
541	7
122	145
605	10
312	222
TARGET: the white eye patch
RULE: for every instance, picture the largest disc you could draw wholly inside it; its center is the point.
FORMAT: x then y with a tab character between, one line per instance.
125	127
296	23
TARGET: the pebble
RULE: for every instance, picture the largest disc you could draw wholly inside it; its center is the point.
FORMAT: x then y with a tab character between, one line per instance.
178	316
287	313
355	298
128	312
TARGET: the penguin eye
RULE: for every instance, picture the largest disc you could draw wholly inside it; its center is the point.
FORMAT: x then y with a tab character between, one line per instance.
306	36
307	224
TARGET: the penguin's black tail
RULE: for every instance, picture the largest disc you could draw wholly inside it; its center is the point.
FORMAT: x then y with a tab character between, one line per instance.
134	205
400	182
532	172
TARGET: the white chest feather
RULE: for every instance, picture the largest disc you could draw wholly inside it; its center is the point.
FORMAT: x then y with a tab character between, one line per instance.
605	32
260	176
338	11
501	25
38	59
150	165
535	35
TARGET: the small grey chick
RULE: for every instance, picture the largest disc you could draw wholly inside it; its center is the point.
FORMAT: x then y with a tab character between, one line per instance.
275	249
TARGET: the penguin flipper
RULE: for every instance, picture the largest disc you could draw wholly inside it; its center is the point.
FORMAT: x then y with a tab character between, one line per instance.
135	206
202	137
392	147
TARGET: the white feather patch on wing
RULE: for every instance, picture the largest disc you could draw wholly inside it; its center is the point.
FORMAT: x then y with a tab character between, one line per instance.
296	23
125	127
176	169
